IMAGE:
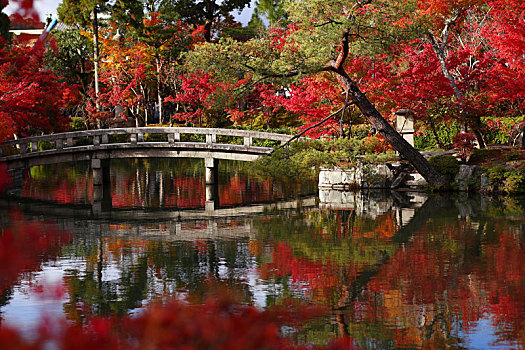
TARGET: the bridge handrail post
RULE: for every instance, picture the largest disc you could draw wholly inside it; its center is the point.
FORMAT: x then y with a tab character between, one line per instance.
140	137
69	142
211	138
173	137
34	146
248	141
105	138
96	140
59	143
133	138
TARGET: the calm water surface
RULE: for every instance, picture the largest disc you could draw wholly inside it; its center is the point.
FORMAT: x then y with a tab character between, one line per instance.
397	270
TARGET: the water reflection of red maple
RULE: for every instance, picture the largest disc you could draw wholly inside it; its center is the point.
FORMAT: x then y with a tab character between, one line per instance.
146	190
24	247
320	279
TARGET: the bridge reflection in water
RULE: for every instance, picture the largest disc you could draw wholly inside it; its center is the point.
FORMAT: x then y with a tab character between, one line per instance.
100	146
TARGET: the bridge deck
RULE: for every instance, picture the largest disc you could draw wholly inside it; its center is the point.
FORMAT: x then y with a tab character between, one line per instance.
71	146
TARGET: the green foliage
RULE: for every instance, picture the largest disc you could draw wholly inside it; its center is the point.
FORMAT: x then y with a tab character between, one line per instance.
79	12
208	13
509	180
45	145
445	165
192	138
83	141
360	131
71	57
233	140
78	124
271	10
156	137
514	181
478	156
303	159
497	173
424	138
118	138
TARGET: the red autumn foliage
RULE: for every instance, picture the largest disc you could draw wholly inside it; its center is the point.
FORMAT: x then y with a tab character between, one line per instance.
464	142
20	22
31	97
198	98
218	323
26	10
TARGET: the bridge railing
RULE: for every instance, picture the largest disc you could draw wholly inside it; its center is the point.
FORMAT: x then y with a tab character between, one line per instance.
136	135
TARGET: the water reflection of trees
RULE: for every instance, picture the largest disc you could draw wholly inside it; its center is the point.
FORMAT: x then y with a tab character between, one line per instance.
425	284
154	183
392	288
23	248
122	274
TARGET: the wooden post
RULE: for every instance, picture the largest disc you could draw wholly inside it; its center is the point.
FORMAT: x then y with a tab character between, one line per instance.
211	138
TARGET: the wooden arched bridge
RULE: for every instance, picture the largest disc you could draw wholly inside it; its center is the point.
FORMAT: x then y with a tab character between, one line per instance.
99	146
155	142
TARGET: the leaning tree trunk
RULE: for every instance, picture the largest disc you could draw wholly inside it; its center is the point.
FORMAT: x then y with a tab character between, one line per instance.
387	131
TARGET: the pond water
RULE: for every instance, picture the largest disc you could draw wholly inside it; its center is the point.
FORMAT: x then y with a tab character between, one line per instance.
395	270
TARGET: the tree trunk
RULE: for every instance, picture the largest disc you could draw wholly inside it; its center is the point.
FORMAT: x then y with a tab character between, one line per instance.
441	54
434	133
388	132
95	61
159	92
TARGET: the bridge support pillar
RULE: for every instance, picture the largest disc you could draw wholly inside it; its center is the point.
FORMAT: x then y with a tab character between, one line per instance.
101	185
18	176
212	198
212	170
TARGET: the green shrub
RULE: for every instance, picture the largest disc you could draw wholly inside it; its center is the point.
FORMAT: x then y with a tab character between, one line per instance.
45	145
156	137
83	141
506	180
446	165
424	138
231	140
479	156
118	138
305	158
497	173
513	182
78	124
